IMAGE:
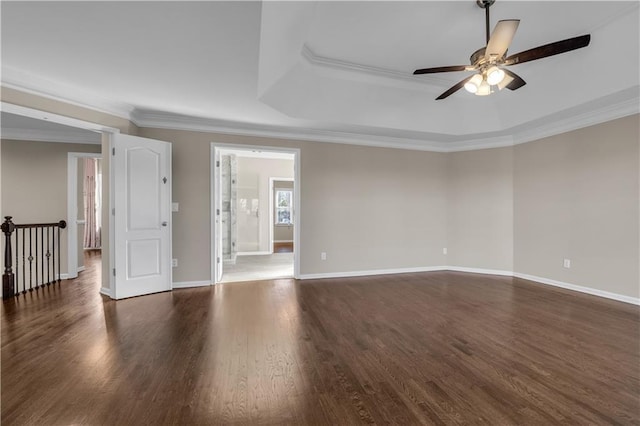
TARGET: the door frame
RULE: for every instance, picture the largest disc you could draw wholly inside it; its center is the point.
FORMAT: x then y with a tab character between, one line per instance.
213	198
72	209
107	196
271	208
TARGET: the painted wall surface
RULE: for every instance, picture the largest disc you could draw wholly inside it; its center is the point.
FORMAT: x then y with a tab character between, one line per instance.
346	192
480	209
34	177
576	196
257	171
282	232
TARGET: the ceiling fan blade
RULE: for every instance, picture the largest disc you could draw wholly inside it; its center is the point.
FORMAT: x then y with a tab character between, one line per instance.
440	69
549	50
516	82
454	89
501	38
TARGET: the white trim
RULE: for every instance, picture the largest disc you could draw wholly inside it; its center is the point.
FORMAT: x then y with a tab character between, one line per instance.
56	118
578	288
283	241
72	208
539	280
106	291
49	89
382	75
271	208
607	108
190	284
17	134
253	253
296	202
611	107
372	272
81	268
479	271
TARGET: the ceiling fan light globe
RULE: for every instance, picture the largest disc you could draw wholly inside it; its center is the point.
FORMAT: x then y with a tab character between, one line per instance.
473	84
494	76
484	89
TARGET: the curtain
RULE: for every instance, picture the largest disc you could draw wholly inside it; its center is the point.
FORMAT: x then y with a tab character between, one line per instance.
92	197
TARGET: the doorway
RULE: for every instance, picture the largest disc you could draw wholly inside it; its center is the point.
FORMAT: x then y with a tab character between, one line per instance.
244	212
84	208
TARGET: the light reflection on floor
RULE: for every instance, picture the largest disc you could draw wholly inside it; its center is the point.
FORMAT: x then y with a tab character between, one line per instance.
259	267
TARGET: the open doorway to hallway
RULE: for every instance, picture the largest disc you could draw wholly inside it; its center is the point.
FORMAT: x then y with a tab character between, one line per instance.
253	213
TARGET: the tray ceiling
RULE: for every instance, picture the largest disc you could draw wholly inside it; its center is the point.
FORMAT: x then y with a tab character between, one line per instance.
330	71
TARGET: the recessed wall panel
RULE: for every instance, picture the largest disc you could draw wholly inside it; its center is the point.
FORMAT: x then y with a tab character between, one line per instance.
143	258
143	189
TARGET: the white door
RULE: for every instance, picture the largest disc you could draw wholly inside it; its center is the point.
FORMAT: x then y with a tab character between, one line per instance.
218	217
142	220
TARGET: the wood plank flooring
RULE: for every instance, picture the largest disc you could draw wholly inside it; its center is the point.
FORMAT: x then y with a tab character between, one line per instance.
428	348
283	247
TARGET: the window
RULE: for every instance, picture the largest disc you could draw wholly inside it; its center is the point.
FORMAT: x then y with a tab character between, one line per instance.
284	207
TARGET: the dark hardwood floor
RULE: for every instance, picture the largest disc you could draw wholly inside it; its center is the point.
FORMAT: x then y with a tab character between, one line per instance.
283	247
428	348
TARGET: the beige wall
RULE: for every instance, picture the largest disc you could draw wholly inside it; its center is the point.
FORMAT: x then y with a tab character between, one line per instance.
34	178
346	192
262	169
281	232
480	209
576	196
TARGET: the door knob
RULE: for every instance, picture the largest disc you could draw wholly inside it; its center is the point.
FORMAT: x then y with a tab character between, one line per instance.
164	223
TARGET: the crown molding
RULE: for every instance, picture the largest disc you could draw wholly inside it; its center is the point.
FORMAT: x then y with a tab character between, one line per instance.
580	117
390	77
617	105
48	136
164	120
35	85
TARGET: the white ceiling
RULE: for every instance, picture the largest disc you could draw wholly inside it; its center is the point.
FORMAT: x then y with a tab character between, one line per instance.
332	71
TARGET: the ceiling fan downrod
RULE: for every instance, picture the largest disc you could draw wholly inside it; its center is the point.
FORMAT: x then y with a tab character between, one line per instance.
486	4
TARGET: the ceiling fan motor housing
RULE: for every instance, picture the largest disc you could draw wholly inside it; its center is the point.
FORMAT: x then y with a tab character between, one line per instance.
477	58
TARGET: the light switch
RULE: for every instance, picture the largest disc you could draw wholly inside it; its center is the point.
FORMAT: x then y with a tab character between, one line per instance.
175	207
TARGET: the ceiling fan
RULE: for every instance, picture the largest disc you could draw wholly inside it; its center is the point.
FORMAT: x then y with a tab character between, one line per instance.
490	61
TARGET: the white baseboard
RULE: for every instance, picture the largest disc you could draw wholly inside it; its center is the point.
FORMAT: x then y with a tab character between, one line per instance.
252	253
371	272
479	271
540	280
579	288
106	291
189	284
81	268
282	241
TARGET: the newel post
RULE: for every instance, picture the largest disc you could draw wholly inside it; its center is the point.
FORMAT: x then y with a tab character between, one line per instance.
8	279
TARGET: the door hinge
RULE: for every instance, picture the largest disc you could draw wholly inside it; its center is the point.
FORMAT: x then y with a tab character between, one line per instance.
113	151
218	260
218	163
113	211
114	272
218	212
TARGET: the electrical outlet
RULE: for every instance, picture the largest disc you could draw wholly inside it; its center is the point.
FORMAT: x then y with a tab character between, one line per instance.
174	263
567	263
444	250
323	256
